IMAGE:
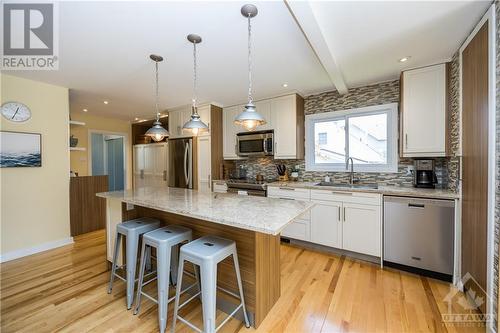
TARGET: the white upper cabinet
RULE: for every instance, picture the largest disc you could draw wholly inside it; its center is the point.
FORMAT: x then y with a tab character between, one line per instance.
264	108
229	130
178	117
424	112
284	118
284	115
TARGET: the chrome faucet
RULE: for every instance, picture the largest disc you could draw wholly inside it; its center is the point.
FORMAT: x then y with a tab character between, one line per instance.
351	176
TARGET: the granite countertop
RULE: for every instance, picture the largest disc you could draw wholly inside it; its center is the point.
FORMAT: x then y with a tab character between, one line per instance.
385	190
260	214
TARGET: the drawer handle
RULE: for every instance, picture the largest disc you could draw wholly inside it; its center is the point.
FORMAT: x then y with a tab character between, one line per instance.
287	199
339	213
344	214
413	205
416	258
287	189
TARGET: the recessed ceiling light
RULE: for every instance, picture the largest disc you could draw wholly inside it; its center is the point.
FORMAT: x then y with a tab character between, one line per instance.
106	102
85	110
285	85
404	59
136	119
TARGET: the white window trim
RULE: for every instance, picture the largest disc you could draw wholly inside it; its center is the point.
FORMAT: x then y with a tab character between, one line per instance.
392	138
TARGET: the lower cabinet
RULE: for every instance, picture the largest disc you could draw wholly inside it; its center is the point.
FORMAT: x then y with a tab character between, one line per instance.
343	220
326	225
361	229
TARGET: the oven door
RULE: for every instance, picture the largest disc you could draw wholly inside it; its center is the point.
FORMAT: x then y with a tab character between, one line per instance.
254	144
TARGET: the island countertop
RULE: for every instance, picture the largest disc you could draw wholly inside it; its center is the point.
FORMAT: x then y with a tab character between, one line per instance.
260	214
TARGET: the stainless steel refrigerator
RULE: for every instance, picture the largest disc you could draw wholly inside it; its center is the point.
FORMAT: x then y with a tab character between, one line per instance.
180	159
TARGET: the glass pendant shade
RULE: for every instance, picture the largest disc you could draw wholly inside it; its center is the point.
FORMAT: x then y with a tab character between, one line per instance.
249	118
157	132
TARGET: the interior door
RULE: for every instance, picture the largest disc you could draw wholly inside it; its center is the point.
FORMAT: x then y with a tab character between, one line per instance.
475	161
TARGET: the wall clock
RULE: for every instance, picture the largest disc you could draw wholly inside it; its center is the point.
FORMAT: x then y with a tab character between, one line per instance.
15	111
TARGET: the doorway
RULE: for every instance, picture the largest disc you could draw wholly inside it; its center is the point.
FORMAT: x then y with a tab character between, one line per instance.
107	157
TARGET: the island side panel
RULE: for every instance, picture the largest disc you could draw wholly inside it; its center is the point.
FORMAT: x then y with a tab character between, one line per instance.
267	272
245	244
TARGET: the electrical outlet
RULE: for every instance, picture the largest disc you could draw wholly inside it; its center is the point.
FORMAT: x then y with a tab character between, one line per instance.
409	170
130	206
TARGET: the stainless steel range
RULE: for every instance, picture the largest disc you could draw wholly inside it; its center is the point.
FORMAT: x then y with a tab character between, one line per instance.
247	187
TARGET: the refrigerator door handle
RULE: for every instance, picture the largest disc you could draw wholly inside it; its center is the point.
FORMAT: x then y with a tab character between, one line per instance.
190	166
186	151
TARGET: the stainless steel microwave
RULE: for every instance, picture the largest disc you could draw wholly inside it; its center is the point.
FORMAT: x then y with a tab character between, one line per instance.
259	143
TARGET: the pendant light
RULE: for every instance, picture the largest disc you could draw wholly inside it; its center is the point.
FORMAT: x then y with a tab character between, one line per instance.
249	118
157	132
195	125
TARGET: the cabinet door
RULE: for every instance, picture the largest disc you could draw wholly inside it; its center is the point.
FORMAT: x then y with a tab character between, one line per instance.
204	172
424	112
204	112
229	132
138	166
326	225
284	122
264	108
173	123
361	229
160	164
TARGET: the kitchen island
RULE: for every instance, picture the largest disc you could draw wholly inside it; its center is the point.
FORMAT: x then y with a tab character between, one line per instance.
254	223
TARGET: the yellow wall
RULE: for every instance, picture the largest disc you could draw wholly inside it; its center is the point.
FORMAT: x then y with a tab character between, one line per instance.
35	201
80	159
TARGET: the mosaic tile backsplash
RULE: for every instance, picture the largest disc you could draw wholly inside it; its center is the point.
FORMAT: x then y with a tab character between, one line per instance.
382	93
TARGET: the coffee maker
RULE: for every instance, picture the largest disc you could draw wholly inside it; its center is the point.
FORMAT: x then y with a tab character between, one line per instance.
424	174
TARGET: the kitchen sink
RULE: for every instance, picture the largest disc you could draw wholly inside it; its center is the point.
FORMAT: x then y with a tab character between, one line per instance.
360	186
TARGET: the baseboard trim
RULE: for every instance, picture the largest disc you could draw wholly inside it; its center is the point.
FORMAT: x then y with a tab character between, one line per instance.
35	249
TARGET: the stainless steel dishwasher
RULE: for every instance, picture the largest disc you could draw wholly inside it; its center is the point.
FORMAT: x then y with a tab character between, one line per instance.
419	233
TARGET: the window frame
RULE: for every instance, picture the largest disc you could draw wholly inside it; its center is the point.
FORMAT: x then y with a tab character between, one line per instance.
392	138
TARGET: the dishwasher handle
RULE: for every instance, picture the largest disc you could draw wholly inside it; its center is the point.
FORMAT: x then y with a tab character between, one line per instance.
415	205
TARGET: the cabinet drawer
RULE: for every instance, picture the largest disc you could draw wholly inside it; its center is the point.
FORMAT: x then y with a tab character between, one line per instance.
351	197
288	192
298	229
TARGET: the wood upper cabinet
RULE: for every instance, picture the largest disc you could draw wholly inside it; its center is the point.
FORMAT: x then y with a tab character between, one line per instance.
424	112
284	115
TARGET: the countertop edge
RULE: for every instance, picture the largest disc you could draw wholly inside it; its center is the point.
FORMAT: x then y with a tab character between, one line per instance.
273	232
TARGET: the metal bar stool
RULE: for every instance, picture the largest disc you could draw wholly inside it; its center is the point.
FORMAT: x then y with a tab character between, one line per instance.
132	230
207	252
164	240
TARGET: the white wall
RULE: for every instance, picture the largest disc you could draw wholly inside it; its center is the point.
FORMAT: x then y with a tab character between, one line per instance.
35	201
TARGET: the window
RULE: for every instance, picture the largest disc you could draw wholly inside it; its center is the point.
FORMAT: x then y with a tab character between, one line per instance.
323	138
367	135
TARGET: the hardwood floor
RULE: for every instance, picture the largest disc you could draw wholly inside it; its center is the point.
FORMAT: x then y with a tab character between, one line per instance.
65	290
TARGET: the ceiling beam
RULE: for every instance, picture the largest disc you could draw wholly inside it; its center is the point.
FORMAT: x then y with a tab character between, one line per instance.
305	18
